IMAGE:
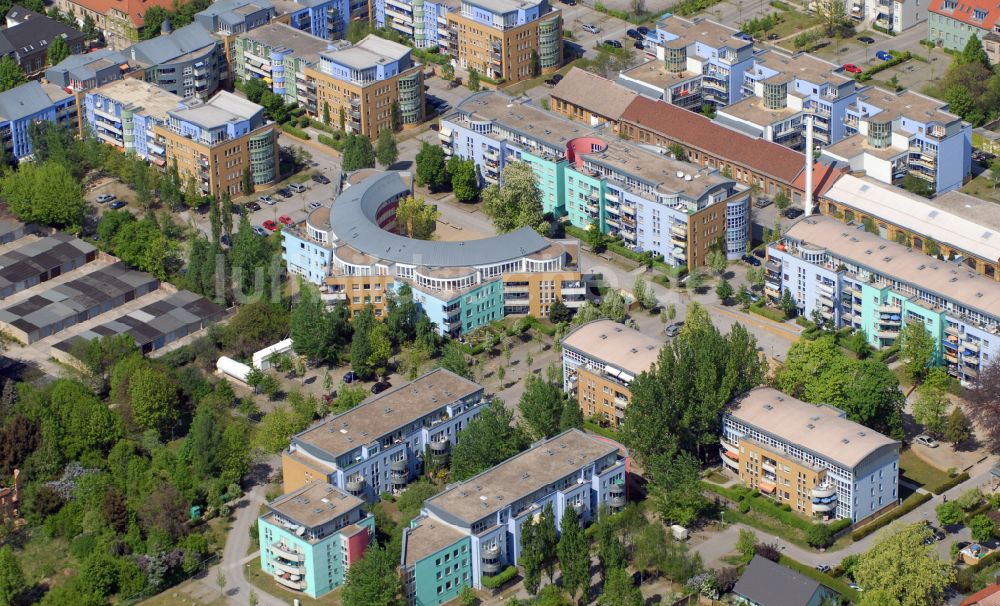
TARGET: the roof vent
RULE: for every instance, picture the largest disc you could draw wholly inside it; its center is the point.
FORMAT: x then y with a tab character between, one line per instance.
780	398
768	407
845	441
387	410
525	475
810	426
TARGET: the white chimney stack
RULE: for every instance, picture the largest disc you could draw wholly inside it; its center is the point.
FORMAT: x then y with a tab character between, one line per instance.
808	200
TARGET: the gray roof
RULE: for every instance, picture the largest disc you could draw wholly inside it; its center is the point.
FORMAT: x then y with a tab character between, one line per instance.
355	210
165	49
83	67
229	11
223	108
29	98
769	584
39	257
368	52
34	32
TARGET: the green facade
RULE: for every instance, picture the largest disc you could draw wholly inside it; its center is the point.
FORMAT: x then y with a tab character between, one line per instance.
584	199
882	330
439	577
551	182
951	33
481	305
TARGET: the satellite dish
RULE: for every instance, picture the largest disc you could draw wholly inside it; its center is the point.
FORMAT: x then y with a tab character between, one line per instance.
300	530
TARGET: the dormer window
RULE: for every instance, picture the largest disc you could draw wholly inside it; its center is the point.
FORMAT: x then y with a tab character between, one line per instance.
979	14
949	5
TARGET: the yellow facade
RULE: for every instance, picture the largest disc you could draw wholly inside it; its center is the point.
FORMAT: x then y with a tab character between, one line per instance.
296	472
601	396
542	289
360	291
786	480
501	54
367	110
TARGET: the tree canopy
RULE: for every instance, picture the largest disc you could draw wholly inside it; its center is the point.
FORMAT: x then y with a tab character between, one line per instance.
431	170
416	218
918	579
386	153
489	439
44	193
358	153
517	201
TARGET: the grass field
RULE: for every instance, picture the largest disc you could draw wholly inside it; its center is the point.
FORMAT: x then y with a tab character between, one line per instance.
918	471
265	583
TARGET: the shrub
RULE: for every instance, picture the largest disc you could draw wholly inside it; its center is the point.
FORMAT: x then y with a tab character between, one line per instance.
871	71
819	536
496	581
912	502
295	132
336	144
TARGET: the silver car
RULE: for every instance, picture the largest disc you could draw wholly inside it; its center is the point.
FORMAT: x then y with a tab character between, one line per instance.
926	440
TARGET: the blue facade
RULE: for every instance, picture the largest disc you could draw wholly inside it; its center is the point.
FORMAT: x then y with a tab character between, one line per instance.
304	257
493	18
327	20
29	103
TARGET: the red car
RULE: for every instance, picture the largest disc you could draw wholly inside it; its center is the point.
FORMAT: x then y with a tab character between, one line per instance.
850	67
285	220
270	225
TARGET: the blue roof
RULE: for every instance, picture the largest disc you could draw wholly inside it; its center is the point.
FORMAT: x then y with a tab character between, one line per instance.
165	49
82	67
29	99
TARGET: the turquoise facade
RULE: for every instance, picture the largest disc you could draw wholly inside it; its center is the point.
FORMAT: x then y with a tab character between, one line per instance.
473	309
438	578
584	199
885	312
551	182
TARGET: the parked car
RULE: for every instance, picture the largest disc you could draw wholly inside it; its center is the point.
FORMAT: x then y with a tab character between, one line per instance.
270	225
350	377
569	2
794	213
237	209
557	78
588	27
642	29
118	204
743	36
260	231
284	192
772	36
253	206
266	200
866	40
883	55
285	220
926	440
381	386
750	260
674	329
634	34
850	67
297	188
612	43
315	205
762	202
318	178
823	568
225	240
101	199
639	44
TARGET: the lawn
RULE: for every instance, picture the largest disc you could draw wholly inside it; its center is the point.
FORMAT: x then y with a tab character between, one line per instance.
601	431
44	558
190	592
716	478
793	22
919	471
982	187
265	583
768	525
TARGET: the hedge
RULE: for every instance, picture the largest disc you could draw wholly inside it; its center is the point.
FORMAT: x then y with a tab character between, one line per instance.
496	581
619	248
761	310
948	484
821	577
326	128
334	143
295	132
912	502
766	506
871	71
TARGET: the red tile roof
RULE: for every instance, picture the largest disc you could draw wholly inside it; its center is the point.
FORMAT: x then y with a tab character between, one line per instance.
965	9
135	9
824	176
697	131
975	598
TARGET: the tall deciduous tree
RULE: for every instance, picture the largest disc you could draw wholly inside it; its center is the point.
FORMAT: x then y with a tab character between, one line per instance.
358	153
574	554
541	406
619	590
984	404
958	429
431	171
918	579
931	406
12	579
517	202
373	580
416	218
44	193
464	181
488	440
317	333
11	74
58	50
453	359
530	557
547	541
387	152
916	348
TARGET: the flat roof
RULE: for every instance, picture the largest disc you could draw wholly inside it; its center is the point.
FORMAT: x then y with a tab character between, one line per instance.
223	108
356	226
658	169
752	110
389	410
701	30
427	538
517	477
598	95
615	344
821	429
955	219
857	144
520	115
314	504
145	97
41	256
368	52
654	73
282	36
504	6
907	103
950	281
803	66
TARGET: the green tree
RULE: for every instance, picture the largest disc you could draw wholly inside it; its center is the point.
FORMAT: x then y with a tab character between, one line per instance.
358	153
746	545
90	28
246	181
695	279
431	171
724	290
819	536
317	333
949	513
453	359
613	306
558	312
11	75
45	193
530	558
571	416
676	489
373	580
517	202
788	304
973	53
931	406
58	50
416	218
536	64
387	152
149	393
619	590
782	201
547	542
574	554
473	80
12	579
918	579
489	439
596	239
541	406
464	182
916	349
958	429
677	151
643	294
983	528
716	261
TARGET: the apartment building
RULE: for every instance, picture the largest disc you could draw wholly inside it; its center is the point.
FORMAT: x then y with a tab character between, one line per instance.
600	359
327	19
473	529
189	62
953	226
80	72
505	40
228	19
461	285
29	103
696	62
122	23
423	21
380	445
310	537
951	23
278	54
782	89
892	135
370	86
215	141
27	36
591	176
889	16
809	457
856	279
124	113
591	99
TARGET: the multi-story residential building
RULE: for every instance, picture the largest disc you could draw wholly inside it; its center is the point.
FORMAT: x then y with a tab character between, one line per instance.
278	54
889	16
27	37
591	99
374	85
29	103
506	39
953	226
698	61
125	113
781	90
309	537
461	286
600	360
950	23
858	280
80	72
215	141
189	62
473	529
423	21
891	135
327	19
655	203
122	23
229	19
809	457
380	445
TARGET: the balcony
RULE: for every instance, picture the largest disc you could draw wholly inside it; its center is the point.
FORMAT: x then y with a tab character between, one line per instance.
285	552
616	496
491	563
297	585
289	568
356	485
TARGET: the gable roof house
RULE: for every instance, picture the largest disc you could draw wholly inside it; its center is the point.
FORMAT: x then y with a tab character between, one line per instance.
27	36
